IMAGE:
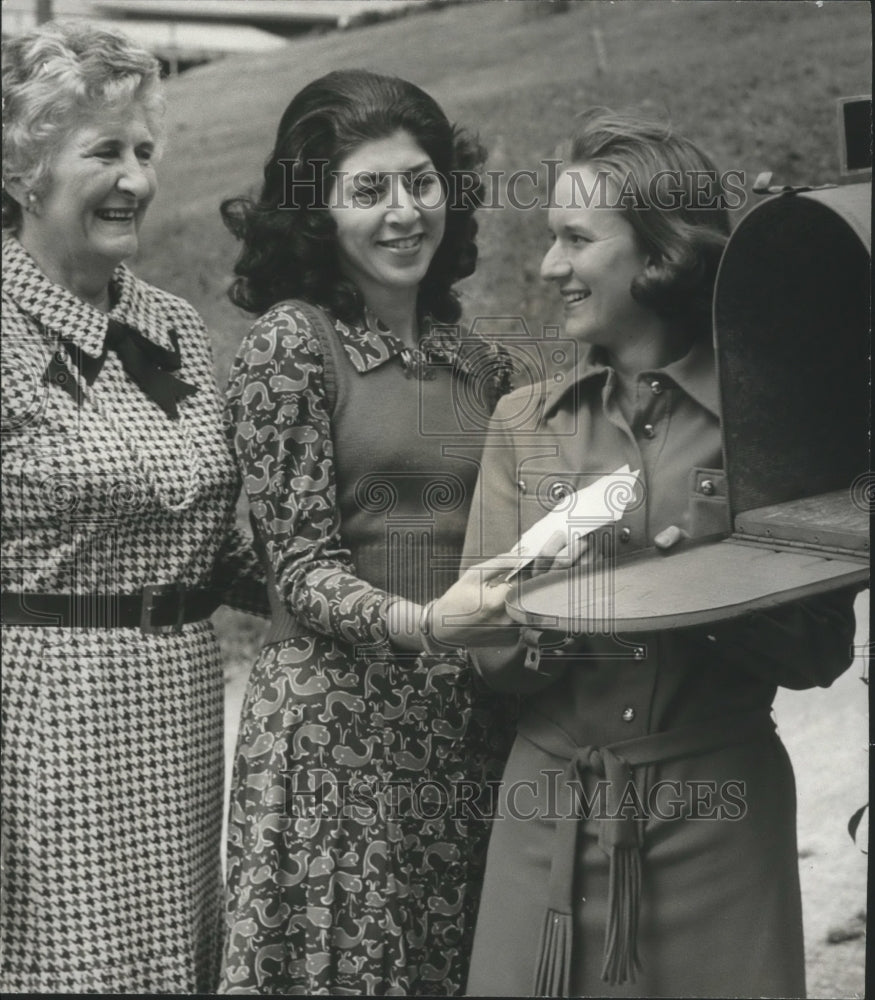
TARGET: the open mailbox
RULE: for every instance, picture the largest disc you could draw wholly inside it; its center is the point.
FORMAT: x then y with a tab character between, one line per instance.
791	328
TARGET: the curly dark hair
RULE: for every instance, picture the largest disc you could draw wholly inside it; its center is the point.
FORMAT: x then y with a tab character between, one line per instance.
289	244
685	233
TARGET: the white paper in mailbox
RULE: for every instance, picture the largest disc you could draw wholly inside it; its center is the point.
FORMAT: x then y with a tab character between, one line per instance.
590	508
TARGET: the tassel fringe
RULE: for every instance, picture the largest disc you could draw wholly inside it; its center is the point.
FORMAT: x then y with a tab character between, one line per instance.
621	940
553	970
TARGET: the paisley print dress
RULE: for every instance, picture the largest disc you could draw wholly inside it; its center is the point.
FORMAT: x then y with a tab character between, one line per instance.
358	809
111	737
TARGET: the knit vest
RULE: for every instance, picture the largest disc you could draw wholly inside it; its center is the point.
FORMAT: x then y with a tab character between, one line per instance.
406	472
406	459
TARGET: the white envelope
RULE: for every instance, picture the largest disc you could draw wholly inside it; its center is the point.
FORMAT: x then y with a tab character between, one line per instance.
590	508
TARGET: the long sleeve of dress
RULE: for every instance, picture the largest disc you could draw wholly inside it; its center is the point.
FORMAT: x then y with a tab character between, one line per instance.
239	575
280	429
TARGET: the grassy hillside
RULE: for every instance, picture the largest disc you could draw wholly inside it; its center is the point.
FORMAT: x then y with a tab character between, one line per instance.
755	83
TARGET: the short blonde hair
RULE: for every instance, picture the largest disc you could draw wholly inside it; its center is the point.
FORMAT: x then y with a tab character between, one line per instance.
686	238
54	76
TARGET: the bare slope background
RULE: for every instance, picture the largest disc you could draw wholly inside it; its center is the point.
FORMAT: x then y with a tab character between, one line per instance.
755	83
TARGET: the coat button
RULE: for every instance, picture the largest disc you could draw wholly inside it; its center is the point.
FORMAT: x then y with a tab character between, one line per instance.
558	492
707	487
625	534
638	654
521	485
628	714
656	387
649	432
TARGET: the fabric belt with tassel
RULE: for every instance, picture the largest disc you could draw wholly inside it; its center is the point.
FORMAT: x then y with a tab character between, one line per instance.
620	836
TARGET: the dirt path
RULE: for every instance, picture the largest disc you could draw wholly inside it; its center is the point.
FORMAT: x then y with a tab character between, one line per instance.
827	736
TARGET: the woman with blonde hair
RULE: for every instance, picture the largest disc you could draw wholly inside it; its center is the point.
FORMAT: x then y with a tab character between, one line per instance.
119	498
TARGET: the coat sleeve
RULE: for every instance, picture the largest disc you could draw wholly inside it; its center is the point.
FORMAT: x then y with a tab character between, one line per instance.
493	519
493	528
278	421
803	645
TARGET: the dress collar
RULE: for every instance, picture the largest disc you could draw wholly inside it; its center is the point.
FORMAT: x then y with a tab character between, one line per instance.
69	317
694	373
369	344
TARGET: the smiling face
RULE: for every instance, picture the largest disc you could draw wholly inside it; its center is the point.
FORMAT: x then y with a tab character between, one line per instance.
388	206
102	181
594	257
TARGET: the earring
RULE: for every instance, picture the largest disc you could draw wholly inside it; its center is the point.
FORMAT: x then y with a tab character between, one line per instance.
31	202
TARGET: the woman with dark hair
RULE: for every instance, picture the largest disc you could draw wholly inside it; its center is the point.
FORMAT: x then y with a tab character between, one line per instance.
119	497
355	850
644	842
288	249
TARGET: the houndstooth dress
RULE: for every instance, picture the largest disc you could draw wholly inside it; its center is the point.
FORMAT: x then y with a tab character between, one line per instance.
112	738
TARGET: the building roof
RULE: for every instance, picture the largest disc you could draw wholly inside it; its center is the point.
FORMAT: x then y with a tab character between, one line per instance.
339	13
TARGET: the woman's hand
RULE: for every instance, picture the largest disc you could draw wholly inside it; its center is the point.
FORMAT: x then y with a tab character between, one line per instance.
497	645
472	611
562	550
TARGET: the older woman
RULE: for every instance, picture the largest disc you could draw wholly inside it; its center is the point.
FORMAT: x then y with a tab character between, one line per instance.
356	836
646	840
118	499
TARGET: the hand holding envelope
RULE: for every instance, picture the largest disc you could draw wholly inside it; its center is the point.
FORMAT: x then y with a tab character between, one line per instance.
560	536
468	615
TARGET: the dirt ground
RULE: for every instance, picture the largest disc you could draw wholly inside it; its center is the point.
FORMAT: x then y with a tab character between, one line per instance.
827	736
826	733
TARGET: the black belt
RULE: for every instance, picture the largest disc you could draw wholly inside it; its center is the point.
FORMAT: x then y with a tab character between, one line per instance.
155	609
